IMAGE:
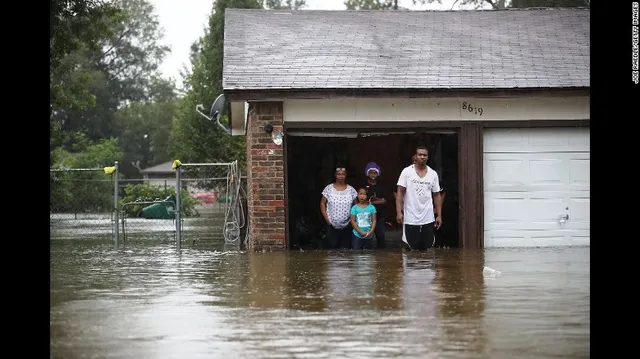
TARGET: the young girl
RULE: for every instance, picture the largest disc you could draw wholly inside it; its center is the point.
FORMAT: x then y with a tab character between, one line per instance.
363	221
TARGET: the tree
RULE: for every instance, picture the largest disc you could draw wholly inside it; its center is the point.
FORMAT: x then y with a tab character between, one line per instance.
502	4
285	4
477	4
371	4
79	192
75	26
122	67
125	95
144	129
132	56
193	138
549	3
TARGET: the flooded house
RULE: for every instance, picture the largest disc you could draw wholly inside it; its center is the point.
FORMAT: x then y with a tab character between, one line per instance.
501	99
162	175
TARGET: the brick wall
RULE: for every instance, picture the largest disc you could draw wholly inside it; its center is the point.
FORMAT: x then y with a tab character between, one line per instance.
265	179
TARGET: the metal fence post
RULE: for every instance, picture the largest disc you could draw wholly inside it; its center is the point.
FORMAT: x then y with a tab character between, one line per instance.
115	203
178	206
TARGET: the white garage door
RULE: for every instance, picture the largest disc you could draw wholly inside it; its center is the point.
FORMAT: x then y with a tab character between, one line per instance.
536	187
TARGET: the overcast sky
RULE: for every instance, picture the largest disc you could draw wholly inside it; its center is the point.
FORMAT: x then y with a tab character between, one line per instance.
184	21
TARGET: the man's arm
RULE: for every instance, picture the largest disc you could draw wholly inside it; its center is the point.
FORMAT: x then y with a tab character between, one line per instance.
437	199
402	187
400	204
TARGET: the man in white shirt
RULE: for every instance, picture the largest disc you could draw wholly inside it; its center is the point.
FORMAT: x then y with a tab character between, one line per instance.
418	189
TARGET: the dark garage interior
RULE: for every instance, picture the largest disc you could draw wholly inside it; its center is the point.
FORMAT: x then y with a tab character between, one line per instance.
311	162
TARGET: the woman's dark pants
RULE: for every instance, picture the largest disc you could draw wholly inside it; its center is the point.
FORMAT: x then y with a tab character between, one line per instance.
339	238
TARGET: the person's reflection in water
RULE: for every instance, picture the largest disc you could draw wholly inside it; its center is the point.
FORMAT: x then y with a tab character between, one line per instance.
350	278
388	281
366	280
419	297
363	279
338	277
267	280
419	303
293	280
459	289
307	286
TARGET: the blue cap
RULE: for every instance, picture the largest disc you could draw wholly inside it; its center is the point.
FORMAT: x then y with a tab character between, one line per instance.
372	166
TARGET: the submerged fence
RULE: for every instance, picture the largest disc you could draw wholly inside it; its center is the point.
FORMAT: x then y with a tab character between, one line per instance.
81	203
98	203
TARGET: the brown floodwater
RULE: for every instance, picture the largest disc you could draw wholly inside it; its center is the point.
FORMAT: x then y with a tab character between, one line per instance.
148	301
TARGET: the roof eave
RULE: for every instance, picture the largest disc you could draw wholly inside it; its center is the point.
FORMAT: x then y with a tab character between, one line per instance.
265	94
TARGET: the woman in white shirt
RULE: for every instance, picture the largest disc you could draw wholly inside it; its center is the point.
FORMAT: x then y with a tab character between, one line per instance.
335	206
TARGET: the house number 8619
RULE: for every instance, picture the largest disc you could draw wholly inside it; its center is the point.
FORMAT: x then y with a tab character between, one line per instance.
470	108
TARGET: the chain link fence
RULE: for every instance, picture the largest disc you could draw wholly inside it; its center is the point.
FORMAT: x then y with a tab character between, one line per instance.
211	204
147	209
81	203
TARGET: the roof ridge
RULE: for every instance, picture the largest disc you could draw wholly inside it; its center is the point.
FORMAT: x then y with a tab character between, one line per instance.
406	10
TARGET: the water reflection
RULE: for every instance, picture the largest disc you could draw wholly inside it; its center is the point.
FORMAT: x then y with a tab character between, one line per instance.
388	284
307	284
541	300
350	276
459	289
147	301
286	280
460	284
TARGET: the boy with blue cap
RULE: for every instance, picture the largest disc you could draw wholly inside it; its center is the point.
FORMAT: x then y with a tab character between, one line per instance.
376	195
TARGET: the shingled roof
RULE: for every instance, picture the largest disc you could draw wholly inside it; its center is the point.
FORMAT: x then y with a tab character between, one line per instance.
312	49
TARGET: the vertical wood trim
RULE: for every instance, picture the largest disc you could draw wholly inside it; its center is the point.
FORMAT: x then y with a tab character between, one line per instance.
462	189
480	237
471	186
286	185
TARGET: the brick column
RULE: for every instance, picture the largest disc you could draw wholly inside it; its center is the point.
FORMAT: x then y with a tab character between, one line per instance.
265	179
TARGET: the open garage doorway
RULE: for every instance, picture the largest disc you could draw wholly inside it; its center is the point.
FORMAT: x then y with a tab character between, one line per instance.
313	156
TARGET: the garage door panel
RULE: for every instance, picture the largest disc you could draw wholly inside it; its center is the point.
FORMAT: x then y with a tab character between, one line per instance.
506	172
524	210
579	139
536	238
581	239
543	211
537	210
505	209
536	172
506	141
506	239
532	178
579	172
547	172
526	140
579	211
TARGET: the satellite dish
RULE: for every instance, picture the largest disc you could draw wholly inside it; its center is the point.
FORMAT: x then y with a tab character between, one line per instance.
218	108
